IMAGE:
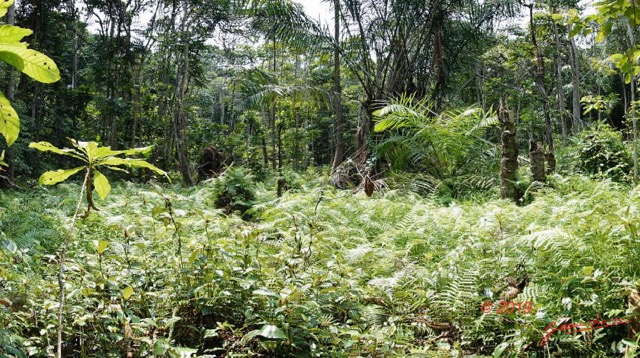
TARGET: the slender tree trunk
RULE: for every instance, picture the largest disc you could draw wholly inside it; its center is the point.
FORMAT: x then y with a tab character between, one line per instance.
222	109
559	90
272	114
634	123
272	129
137	112
337	91
265	154
362	135
575	84
180	115
509	161
539	79
280	125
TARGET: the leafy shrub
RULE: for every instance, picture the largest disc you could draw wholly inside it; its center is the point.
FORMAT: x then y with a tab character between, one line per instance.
234	191
602	152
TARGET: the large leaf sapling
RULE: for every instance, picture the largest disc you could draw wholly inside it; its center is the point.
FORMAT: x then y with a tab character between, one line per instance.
93	158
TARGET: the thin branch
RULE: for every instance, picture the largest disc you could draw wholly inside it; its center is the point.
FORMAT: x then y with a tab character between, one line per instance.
63	255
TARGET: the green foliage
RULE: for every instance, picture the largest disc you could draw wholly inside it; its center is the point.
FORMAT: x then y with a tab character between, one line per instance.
30	62
600	151
234	191
93	158
439	144
327	273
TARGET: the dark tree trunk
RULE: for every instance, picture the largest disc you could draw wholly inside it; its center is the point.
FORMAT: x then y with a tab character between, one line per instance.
559	90
337	92
537	158
509	161
575	83
539	79
363	133
180	115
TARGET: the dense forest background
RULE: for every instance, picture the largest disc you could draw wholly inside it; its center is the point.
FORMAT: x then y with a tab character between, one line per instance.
269	88
437	178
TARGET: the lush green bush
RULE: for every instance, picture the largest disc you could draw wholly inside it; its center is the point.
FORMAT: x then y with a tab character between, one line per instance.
600	151
234	191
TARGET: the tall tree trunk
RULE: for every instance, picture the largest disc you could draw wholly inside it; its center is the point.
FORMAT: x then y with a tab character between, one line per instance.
280	125
74	66
509	161
559	90
180	115
634	123
272	129
337	91
272	114
575	83
539	79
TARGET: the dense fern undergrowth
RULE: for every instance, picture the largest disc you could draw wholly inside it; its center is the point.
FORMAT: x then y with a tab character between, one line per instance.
319	272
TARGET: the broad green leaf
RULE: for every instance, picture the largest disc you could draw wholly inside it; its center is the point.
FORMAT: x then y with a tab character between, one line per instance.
117	169
389	123
101	246
89	148
32	63
9	122
101	184
270	331
9	33
57	176
127	292
4	6
135	163
48	147
616	58
140	150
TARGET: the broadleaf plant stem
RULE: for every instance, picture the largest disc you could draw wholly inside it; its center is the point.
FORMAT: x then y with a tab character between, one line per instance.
63	255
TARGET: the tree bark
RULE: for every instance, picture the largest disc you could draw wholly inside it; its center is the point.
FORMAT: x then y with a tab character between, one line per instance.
539	79
575	84
632	97
337	91
536	158
180	115
509	161
559	90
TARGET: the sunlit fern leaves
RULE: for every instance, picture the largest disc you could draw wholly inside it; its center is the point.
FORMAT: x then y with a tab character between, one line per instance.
458	298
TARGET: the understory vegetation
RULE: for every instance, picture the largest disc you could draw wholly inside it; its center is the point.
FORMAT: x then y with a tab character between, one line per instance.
159	271
397	178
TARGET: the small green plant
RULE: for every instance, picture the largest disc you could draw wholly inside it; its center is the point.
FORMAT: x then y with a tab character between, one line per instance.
93	157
